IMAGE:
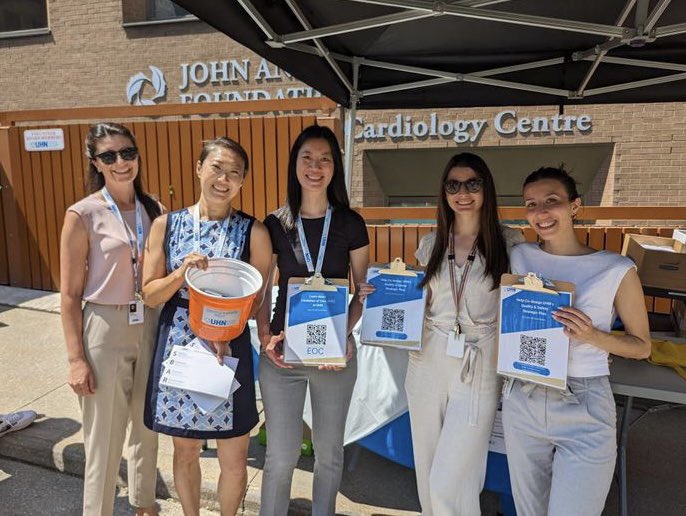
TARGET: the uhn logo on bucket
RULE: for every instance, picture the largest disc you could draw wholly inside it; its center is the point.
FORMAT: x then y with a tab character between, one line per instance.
218	322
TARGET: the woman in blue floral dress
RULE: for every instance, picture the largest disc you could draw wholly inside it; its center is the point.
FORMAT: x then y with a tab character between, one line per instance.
178	241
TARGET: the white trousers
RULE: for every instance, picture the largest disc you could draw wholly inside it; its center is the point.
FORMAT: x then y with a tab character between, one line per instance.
450	451
561	447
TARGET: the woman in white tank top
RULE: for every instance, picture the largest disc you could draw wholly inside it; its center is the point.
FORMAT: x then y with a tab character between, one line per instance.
561	446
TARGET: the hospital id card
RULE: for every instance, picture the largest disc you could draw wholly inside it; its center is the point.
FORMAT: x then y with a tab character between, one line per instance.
456	343
136	312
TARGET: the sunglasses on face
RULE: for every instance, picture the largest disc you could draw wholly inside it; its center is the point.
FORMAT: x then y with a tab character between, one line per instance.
473	185
110	157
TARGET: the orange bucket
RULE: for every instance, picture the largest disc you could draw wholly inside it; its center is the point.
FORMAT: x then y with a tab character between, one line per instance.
221	298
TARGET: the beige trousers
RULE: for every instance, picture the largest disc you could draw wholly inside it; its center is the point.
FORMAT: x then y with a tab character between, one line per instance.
120	357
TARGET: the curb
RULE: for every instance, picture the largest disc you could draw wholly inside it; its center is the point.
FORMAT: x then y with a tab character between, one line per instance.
40	300
70	459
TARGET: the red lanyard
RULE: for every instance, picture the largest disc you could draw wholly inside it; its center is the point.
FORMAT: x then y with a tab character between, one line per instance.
457	292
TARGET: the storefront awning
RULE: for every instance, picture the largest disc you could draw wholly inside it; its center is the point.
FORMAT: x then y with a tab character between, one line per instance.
379	54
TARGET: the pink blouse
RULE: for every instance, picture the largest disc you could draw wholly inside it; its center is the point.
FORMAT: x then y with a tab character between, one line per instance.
109	274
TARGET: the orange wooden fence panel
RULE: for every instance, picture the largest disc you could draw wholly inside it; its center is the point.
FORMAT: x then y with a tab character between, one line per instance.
386	242
44	184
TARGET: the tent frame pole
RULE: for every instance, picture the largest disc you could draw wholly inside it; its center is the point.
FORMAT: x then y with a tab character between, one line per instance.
618	35
350	120
371	23
441	9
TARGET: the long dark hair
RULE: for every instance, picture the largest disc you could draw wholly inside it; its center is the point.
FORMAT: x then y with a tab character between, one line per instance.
96	180
335	192
490	240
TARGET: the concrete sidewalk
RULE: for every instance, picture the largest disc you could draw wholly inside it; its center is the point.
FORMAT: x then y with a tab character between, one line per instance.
34	371
34	374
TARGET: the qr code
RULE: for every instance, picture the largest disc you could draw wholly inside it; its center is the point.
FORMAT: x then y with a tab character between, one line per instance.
316	335
532	349
393	319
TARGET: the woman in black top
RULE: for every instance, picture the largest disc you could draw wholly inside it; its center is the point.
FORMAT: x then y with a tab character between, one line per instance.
315	182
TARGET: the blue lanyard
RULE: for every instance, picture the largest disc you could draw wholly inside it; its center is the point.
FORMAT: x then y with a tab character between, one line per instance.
322	242
135	245
224	231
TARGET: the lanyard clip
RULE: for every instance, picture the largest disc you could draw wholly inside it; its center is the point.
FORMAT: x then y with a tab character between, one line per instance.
457	329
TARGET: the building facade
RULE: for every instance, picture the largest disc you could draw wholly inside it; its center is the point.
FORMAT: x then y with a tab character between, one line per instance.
80	53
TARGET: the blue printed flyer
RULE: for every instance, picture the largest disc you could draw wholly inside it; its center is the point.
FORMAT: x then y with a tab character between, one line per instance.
393	314
532	346
316	326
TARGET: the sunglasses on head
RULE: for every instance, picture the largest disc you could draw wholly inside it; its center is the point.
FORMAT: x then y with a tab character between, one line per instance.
110	157
473	185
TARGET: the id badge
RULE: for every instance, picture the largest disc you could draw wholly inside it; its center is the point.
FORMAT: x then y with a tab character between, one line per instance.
136	312
456	342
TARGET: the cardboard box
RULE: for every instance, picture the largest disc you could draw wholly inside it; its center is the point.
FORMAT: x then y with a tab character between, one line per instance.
661	261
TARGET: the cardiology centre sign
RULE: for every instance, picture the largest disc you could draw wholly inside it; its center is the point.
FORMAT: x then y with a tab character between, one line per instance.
506	123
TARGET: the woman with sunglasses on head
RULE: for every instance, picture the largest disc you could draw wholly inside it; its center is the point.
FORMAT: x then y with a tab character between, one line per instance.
452	387
561	446
316	217
185	239
110	340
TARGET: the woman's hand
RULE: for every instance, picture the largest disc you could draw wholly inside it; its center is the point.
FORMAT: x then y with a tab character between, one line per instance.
363	290
81	377
578	325
351	347
193	261
221	349
272	345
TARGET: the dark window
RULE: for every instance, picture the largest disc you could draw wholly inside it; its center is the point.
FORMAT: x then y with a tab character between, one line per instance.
165	10
142	11
18	15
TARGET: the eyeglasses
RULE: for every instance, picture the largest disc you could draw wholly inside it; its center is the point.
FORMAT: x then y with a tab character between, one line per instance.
110	157
473	185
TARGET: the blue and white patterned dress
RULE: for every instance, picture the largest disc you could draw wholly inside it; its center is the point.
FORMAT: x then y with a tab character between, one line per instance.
172	411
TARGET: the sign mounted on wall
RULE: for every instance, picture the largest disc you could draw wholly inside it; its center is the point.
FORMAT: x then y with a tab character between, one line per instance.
216	81
506	123
43	140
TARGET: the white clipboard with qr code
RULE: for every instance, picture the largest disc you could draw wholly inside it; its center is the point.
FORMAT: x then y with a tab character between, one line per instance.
532	346
316	322
393	314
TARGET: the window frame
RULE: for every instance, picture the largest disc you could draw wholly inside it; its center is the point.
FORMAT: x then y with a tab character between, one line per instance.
24	33
148	22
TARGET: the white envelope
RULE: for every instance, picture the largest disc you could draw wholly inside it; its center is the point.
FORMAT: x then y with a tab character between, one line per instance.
197	371
199	345
205	402
208	403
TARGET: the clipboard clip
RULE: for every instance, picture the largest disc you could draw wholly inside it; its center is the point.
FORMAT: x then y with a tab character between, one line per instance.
536	283
398	268
318	283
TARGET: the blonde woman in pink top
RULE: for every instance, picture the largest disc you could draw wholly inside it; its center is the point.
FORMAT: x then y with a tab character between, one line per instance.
110	337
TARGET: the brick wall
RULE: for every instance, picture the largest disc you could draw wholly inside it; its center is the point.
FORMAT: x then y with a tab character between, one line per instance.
647	165
88	58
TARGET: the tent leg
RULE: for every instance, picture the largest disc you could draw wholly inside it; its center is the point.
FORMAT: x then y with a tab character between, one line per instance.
350	116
